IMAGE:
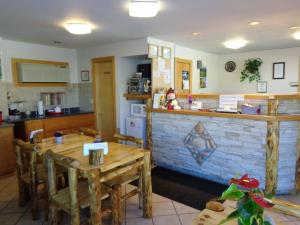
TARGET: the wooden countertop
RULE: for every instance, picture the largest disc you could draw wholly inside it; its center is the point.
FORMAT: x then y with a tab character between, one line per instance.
262	117
2	125
247	96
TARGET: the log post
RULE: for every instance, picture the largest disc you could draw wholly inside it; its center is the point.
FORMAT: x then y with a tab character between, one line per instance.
149	144
95	196
74	204
147	186
33	186
117	215
272	157
273	106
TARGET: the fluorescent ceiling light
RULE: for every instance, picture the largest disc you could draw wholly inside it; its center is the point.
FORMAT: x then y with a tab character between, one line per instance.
254	23
235	43
143	8
195	33
296	35
294	27
78	28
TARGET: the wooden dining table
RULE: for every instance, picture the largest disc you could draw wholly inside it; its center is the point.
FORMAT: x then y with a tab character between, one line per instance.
119	160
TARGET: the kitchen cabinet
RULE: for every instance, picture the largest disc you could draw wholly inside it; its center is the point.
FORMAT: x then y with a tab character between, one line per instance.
66	124
7	154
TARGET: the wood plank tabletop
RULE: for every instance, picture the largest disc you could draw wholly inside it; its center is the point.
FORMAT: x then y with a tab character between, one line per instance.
118	155
70	142
209	217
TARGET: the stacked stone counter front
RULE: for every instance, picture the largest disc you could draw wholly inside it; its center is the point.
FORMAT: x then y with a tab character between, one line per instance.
219	148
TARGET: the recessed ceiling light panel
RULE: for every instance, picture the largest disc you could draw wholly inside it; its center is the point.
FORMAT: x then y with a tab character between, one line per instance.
235	43
294	27
78	28
296	35
195	33
143	8
254	23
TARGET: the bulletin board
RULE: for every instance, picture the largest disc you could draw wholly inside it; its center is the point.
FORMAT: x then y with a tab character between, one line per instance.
161	74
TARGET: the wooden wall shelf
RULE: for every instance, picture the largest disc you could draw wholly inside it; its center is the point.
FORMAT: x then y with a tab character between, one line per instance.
137	96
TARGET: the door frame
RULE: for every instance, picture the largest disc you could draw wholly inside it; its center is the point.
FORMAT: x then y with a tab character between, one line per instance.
189	61
94	61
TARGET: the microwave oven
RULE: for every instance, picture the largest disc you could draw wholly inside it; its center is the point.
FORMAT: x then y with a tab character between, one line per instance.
138	110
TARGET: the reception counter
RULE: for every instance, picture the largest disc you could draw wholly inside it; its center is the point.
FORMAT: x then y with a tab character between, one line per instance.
219	146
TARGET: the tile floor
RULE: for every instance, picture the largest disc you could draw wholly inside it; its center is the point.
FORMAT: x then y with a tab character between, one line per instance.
165	211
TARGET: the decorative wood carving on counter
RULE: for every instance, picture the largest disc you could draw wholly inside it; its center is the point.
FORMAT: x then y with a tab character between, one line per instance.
200	143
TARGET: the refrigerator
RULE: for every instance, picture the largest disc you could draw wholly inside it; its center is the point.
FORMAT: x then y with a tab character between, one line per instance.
136	127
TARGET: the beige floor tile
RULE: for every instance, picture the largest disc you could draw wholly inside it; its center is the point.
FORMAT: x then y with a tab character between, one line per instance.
9	219
7	196
186	219
2	186
159	198
133	211
7	180
27	219
182	209
3	205
11	187
13	207
138	221
163	208
166	220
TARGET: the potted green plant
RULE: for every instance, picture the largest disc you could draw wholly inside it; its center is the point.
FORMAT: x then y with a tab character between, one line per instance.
251	201
251	70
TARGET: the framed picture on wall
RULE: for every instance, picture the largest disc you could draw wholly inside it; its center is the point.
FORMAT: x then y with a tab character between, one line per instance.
278	70
166	52
152	51
85	75
262	86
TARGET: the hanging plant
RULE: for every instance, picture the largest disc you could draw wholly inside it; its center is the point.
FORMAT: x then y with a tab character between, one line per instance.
251	70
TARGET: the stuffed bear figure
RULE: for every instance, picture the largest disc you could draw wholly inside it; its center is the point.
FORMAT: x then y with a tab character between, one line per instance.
171	102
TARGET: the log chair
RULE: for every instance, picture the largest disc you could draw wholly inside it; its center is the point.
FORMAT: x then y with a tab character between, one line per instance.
90	132
132	175
30	174
76	196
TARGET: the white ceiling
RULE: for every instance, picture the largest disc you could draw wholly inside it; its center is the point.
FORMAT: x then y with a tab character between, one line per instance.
40	21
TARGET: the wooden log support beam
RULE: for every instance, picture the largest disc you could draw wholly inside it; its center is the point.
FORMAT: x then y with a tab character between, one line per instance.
74	204
147	186
95	196
272	157
131	193
117	216
117	172
273	106
149	144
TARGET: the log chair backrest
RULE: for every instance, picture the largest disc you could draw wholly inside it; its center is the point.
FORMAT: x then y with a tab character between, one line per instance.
119	138
26	155
90	132
71	165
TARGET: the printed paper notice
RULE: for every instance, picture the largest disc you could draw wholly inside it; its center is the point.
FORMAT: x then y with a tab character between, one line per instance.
230	101
156	73
167	76
161	65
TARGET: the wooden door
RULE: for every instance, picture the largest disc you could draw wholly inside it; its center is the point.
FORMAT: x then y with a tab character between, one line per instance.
183	75
104	96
